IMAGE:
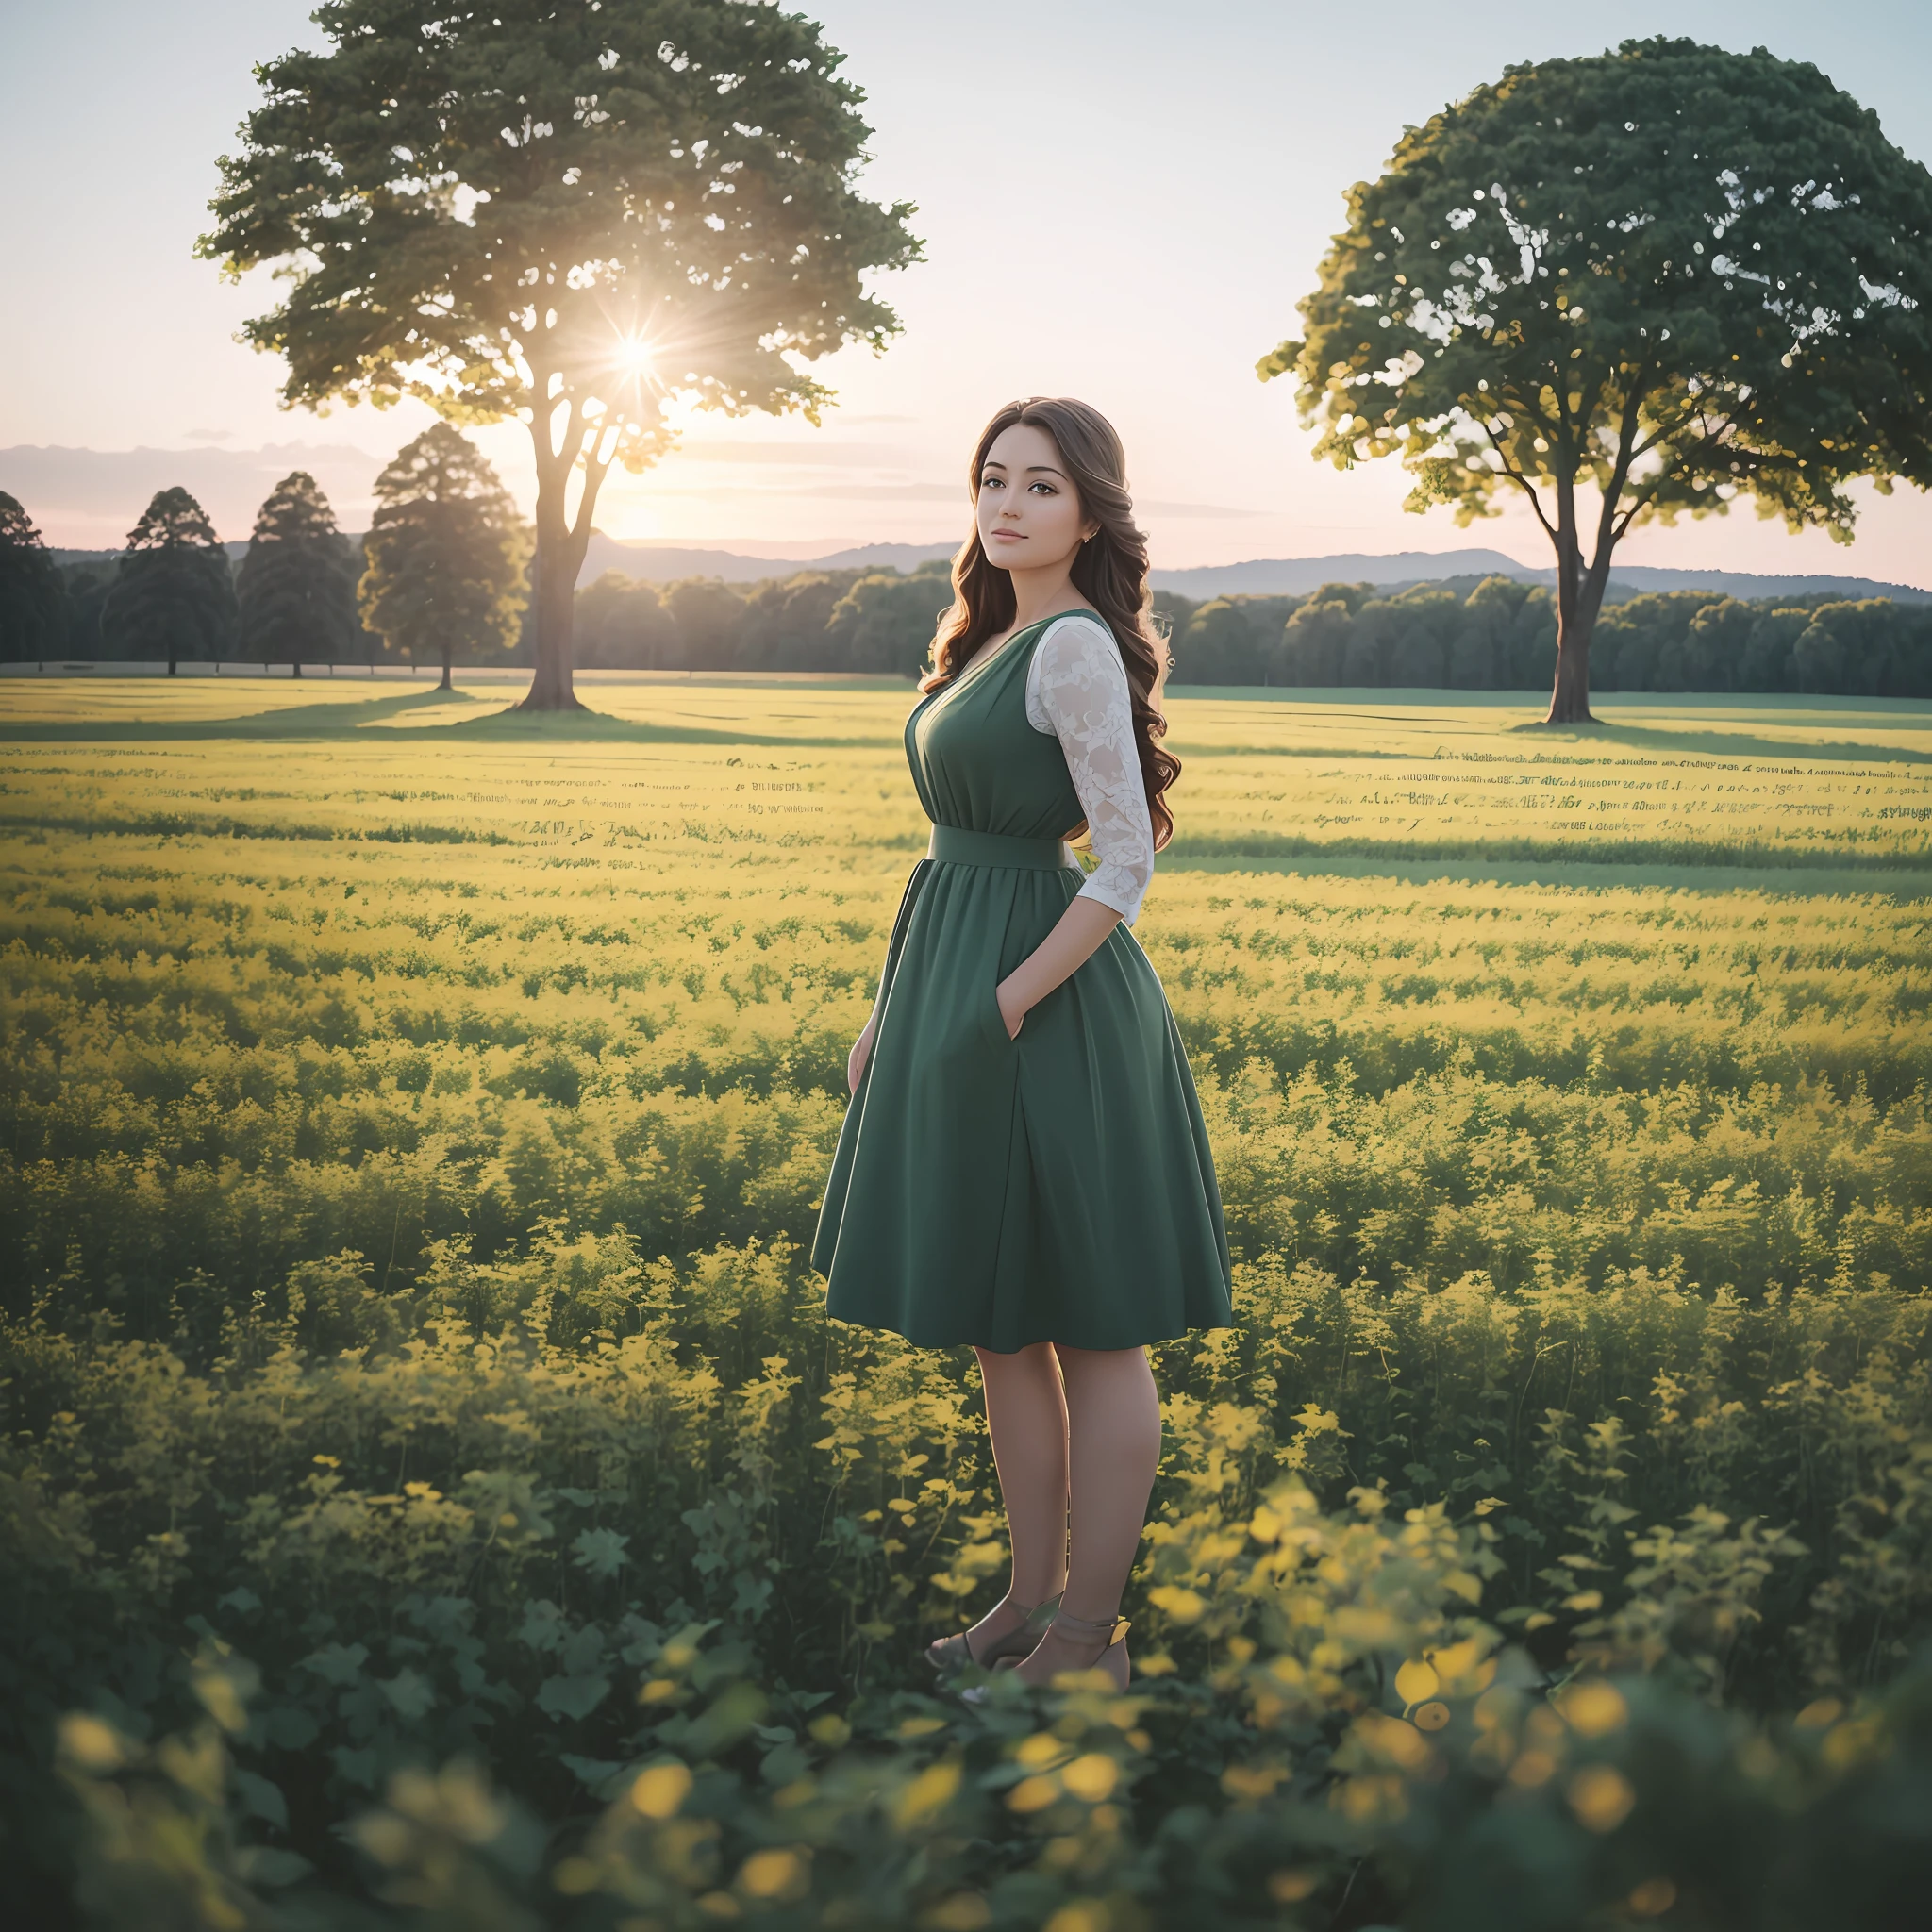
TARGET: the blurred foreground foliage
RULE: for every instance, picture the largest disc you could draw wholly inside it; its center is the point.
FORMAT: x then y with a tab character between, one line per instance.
1345	1741
586	1530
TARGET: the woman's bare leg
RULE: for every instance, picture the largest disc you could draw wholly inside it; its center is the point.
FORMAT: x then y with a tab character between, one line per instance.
1113	1435
1026	1417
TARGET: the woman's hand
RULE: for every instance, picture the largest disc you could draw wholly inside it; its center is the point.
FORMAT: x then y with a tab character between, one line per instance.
855	1059
1083	929
1012	1008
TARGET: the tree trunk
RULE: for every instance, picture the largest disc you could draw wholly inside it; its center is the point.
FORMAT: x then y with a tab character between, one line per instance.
171	663
552	687
1570	695
1579	597
554	592
445	685
561	548
295	669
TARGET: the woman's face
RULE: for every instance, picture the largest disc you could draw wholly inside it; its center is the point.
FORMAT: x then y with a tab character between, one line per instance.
1029	513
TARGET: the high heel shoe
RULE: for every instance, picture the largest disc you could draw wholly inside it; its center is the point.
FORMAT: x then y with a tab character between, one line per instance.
948	1655
1104	1633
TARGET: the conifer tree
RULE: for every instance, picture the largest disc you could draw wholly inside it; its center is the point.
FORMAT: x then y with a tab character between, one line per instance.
443	561
174	593
32	607
296	588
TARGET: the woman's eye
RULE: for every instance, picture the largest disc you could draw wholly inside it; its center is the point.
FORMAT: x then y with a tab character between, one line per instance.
989	482
1046	488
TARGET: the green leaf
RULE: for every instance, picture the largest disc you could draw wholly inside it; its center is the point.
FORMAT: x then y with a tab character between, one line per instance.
291	1728
259	1798
268	1866
601	1551
410	1694
572	1697
338	1663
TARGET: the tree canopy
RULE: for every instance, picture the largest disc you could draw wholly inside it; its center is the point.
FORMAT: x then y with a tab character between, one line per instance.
297	586
1664	278
173	592
574	214
443	561
32	607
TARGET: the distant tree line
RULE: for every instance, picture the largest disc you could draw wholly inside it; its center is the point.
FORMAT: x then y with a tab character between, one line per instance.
439	577
876	621
1501	635
1492	634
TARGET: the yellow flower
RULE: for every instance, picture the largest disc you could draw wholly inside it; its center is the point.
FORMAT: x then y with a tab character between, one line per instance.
1033	1795
1092	1778
1600	1797
930	1792
775	1874
661	1791
1593	1710
1416	1680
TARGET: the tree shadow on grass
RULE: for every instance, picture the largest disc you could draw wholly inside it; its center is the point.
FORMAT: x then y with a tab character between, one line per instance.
1781	881
381	721
338	719
1732	744
514	726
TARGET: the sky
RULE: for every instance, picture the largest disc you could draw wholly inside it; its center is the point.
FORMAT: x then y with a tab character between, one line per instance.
1120	200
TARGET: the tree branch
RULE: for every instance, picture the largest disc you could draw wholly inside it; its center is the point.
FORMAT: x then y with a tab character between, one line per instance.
1522	482
1515	404
1608	531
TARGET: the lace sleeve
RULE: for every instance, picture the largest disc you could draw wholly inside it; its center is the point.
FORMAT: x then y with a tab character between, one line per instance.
1077	691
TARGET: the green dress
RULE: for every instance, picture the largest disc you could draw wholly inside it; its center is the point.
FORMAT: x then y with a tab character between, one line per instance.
1055	1186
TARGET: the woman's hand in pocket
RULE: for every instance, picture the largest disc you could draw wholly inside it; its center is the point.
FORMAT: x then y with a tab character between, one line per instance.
855	1059
1012	1011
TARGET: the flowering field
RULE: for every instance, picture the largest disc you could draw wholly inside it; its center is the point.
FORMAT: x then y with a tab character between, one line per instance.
420	1422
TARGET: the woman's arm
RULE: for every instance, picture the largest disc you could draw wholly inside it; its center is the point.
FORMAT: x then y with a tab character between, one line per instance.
1077	689
1080	932
861	1052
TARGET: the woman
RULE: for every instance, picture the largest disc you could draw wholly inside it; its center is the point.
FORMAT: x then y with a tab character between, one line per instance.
1024	1164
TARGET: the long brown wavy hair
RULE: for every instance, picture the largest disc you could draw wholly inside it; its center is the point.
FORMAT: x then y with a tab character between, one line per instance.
1110	572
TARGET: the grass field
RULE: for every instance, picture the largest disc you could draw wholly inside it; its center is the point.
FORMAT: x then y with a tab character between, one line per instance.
414	1113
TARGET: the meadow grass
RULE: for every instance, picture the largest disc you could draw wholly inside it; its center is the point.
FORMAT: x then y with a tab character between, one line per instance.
414	1114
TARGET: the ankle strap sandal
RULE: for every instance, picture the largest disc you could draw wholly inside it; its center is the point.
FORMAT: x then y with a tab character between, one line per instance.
1104	1631
949	1654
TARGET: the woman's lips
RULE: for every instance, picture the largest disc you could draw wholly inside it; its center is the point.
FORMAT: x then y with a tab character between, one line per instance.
1007	537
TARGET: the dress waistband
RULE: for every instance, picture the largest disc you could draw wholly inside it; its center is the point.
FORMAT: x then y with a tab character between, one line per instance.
953	844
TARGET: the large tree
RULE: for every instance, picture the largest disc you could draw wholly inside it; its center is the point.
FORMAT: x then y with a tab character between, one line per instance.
574	213
173	592
297	586
443	559
32	607
1631	287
